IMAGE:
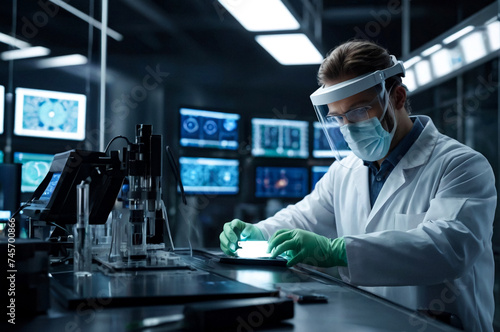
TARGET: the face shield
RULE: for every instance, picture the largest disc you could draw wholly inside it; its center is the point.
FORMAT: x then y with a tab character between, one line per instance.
356	114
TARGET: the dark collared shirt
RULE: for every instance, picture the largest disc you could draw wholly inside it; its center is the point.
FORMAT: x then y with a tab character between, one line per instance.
379	176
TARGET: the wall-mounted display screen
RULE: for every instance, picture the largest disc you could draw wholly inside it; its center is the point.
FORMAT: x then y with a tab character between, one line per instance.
2	107
280	138
317	173
209	175
208	129
50	114
321	148
281	182
35	167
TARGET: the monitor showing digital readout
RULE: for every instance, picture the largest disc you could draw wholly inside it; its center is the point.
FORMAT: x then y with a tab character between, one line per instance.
321	148
209	175
50	114
209	129
35	167
317	173
280	138
281	182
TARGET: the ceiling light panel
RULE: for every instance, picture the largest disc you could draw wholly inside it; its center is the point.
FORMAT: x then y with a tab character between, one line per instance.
261	15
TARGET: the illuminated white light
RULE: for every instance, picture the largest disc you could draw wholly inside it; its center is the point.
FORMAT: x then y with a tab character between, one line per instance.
290	49
61	61
494	35
431	50
252	249
410	62
261	15
30	52
409	80
6	39
458	34
441	62
473	47
423	71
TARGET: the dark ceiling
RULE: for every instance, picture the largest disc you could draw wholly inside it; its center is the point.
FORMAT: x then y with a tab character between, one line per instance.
203	36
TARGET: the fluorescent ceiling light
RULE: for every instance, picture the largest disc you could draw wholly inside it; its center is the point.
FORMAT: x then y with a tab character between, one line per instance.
6	39
473	47
261	15
423	71
431	50
410	62
494	35
458	34
409	80
441	62
290	49
96	24
30	52
61	61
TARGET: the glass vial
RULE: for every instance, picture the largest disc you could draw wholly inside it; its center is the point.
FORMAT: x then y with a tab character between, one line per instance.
81	232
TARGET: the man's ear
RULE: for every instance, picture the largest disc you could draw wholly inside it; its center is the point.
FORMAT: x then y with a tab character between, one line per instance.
399	97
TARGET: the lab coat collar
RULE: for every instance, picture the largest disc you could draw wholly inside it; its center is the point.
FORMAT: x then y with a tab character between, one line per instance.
417	155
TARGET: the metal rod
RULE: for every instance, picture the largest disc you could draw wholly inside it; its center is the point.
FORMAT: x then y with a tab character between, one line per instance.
104	39
405	30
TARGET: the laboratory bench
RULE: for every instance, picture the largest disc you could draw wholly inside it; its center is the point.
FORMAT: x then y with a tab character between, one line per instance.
126	298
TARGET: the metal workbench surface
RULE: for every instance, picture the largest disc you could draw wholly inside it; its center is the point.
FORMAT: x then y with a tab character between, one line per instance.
347	309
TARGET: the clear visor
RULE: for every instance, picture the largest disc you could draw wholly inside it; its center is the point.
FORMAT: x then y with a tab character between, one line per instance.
358	108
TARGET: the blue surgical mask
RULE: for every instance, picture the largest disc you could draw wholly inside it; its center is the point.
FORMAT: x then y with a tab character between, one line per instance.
368	139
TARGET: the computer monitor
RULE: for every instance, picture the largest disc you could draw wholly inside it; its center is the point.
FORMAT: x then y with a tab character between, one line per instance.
50	114
209	175
321	148
280	138
10	191
54	199
286	182
35	167
317	173
208	129
2	107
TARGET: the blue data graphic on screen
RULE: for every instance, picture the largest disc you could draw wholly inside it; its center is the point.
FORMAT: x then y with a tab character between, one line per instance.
1	156
35	168
281	182
317	173
50	114
208	129
321	148
51	186
209	175
280	138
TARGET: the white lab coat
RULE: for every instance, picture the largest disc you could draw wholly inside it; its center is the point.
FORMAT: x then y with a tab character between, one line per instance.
426	243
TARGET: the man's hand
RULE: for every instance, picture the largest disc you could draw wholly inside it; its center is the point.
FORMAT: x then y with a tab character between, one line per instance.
307	247
235	231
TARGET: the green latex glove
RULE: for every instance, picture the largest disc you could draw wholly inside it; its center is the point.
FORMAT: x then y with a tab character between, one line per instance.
235	231
307	247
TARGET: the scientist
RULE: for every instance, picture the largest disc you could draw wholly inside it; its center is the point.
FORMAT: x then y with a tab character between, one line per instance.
407	215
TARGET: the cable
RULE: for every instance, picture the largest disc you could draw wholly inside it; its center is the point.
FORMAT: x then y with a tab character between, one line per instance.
56	225
165	216
113	139
28	203
177	174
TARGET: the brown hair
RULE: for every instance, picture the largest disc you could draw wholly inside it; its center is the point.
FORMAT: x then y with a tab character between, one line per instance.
355	58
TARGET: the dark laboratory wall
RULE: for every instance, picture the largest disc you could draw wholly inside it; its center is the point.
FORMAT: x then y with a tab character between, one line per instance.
257	91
